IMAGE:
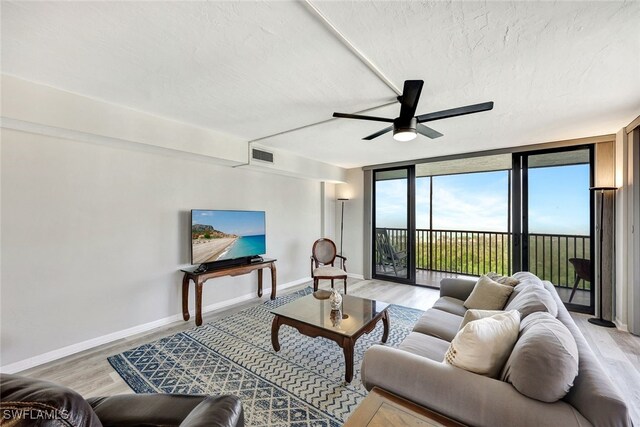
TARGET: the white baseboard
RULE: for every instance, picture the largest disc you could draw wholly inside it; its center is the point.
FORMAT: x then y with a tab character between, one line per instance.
621	326
125	333
355	276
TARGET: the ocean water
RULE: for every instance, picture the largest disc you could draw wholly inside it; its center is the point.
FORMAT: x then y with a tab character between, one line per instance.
247	246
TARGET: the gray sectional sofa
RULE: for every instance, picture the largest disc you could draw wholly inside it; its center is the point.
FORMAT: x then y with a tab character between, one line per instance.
416	370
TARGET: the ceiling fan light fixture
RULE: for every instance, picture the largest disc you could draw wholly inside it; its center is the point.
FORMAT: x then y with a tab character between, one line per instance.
404	135
404	130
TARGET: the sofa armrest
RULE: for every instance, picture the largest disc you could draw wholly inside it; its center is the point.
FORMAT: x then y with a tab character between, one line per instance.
456	288
464	396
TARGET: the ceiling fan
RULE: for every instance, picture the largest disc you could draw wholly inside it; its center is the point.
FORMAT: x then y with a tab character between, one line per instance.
406	126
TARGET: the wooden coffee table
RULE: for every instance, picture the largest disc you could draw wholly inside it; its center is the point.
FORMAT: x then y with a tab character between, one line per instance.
312	316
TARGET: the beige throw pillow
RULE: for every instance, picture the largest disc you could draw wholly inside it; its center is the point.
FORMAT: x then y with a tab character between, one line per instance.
488	295
483	346
473	314
503	280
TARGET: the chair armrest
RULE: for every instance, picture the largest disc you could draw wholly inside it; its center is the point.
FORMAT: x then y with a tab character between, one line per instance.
344	262
464	396
456	288
168	410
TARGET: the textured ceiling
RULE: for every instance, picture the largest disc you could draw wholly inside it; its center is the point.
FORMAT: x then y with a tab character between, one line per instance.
253	69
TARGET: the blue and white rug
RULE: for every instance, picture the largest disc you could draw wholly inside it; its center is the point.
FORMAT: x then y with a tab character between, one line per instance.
301	385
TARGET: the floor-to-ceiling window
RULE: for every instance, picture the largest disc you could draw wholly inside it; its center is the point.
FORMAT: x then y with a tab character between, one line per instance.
462	217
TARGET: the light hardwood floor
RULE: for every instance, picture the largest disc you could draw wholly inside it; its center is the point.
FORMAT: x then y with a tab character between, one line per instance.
90	374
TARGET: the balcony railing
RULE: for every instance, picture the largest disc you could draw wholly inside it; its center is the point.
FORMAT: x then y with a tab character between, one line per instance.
479	252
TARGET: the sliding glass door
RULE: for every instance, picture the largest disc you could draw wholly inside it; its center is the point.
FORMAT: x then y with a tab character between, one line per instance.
554	224
528	211
394	224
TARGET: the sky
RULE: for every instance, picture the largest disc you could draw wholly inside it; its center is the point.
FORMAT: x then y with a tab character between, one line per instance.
240	223
558	201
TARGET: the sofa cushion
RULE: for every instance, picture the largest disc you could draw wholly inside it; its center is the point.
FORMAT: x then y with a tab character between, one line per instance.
439	324
526	279
503	280
451	305
474	314
488	295
544	360
425	345
532	300
484	345
328	271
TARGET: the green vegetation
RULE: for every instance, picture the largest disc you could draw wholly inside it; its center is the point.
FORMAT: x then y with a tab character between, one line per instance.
203	231
477	253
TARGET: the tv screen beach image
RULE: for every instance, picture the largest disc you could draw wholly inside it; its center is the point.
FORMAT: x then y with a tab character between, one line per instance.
220	235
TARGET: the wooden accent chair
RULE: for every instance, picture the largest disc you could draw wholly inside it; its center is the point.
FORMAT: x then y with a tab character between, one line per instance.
323	257
583	271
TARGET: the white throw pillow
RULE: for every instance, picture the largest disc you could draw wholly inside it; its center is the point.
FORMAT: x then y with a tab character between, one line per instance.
488	295
483	346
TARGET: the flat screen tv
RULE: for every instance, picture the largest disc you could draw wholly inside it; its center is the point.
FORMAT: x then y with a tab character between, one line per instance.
220	235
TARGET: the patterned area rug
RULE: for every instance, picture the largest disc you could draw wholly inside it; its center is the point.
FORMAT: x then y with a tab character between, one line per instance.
301	385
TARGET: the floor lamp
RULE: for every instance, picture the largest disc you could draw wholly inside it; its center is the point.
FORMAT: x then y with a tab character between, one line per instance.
599	320
342	223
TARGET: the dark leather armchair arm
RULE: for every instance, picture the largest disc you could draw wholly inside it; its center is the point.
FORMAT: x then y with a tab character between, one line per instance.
216	411
168	410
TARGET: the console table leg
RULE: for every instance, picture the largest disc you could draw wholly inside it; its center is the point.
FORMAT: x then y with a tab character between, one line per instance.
385	323
347	348
185	297
275	328
273	280
198	303
259	283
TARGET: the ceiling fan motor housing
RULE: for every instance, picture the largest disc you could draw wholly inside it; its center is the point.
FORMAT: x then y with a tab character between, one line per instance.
405	125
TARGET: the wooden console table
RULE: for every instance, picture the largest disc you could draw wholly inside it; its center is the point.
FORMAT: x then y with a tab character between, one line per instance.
200	278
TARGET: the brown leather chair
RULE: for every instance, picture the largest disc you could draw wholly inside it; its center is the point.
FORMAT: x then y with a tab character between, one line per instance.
26	402
323	257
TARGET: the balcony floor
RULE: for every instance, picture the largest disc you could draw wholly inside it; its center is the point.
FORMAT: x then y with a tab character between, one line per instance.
433	278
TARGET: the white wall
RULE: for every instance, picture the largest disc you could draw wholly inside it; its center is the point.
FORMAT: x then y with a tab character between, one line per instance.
93	236
353	220
95	219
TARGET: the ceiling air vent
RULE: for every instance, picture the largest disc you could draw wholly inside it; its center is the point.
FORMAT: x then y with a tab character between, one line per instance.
263	156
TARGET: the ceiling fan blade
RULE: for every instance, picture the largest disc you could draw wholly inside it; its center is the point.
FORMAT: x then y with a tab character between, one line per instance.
410	97
359	117
460	111
377	134
428	132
